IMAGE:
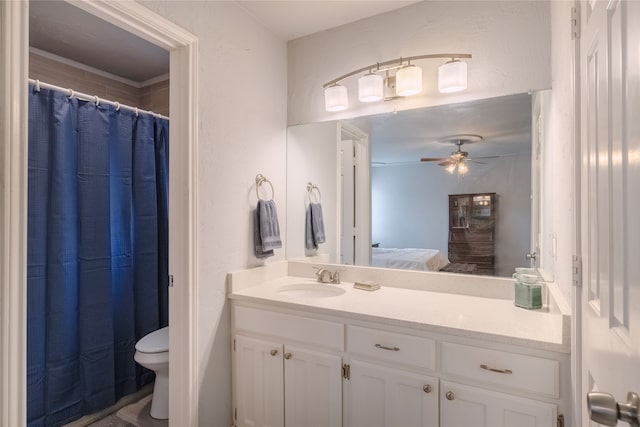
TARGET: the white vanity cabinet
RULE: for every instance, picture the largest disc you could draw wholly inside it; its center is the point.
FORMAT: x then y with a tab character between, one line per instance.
467	406
286	370
387	385
379	396
300	369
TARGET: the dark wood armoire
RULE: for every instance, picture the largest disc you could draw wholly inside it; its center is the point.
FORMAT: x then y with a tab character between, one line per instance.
472	222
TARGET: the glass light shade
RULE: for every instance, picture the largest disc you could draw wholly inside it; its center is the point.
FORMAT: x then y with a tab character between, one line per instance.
370	88
462	168
408	80
335	98
452	77
451	168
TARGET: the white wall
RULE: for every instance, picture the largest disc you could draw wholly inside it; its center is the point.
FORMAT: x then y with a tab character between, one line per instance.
312	156
509	41
242	108
410	206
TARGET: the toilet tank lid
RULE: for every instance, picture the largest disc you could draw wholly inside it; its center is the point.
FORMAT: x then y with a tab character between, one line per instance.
154	342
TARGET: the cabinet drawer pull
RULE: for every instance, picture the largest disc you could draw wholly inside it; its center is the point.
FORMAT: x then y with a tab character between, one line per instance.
450	396
427	388
273	352
287	356
499	371
384	347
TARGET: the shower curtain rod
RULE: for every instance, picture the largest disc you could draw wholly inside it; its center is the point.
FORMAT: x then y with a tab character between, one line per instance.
86	97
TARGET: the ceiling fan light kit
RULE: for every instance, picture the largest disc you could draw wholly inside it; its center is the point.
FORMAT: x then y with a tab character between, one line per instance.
399	73
459	160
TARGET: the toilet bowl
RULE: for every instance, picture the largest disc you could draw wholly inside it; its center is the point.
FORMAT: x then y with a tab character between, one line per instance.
152	352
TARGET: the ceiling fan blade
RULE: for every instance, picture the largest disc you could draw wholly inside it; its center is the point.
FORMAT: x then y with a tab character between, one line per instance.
488	157
475	161
446	163
433	159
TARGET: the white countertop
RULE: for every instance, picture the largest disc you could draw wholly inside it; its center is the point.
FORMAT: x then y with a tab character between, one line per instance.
477	317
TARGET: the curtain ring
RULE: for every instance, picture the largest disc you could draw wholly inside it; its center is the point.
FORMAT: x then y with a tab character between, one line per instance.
96	100
37	85
71	93
136	110
117	106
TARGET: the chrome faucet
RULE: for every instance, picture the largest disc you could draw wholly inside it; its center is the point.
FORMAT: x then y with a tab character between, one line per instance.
323	275
326	276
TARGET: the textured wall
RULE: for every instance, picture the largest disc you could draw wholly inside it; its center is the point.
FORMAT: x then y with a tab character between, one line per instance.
312	156
509	41
242	108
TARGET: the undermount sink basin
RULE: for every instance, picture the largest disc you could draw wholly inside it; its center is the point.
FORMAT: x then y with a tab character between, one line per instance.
310	290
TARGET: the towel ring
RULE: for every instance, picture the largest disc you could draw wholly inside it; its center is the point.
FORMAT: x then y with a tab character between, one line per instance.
260	179
310	188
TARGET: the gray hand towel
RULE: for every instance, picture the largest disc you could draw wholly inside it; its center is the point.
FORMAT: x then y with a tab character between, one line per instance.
314	227
268	223
309	241
257	240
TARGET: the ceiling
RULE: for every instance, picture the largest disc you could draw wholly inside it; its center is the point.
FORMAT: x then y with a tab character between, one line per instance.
67	31
294	19
405	137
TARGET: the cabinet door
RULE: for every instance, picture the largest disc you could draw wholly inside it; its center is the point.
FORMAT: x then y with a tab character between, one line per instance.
386	397
258	383
465	406
313	388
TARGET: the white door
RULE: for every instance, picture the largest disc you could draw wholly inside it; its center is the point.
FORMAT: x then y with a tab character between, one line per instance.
313	388
385	397
259	392
610	202
348	199
466	406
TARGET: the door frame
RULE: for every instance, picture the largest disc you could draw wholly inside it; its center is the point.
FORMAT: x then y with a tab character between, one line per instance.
362	191
183	249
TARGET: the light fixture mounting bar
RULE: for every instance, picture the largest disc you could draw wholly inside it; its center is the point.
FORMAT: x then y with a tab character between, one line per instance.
399	61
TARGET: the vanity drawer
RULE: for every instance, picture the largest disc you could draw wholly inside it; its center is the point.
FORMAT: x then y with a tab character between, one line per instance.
514	371
392	347
319	333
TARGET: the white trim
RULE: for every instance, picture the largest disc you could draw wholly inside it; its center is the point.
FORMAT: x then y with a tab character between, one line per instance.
576	317
157	79
14	36
183	256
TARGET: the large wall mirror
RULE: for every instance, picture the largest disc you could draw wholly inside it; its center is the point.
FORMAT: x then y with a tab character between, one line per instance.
447	188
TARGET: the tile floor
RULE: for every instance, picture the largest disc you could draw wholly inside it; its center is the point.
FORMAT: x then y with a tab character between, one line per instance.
133	415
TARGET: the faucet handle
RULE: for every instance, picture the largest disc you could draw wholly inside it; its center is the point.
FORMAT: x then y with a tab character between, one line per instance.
335	277
323	275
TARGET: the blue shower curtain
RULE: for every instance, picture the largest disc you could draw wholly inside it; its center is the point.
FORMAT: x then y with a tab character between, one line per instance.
97	252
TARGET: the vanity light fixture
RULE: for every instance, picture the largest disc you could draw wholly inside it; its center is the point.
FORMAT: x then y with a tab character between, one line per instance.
452	76
408	80
370	87
399	73
336	98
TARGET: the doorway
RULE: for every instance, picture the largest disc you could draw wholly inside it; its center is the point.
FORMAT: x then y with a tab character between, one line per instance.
136	19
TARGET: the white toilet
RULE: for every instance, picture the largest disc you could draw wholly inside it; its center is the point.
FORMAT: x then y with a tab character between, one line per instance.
152	352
